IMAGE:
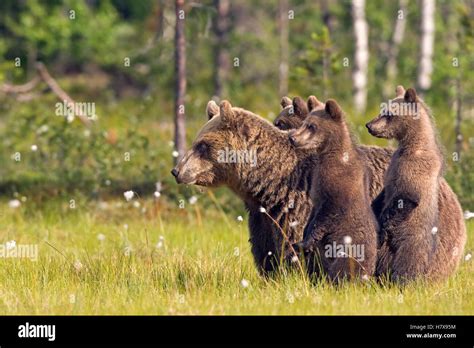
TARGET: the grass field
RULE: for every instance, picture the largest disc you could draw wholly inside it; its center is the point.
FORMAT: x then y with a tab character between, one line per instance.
116	258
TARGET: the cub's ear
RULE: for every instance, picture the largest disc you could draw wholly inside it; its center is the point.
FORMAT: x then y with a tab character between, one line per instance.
299	107
400	91
410	95
225	109
313	103
285	101
212	109
333	110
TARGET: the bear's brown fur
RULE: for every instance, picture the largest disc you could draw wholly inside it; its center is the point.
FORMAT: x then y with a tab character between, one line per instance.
279	183
342	233
377	158
421	219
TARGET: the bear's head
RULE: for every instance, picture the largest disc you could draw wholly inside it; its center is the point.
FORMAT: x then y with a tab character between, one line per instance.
397	117
320	129
201	164
294	112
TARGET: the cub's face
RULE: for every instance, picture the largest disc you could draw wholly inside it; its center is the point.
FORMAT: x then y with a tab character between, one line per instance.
318	128
396	117
200	165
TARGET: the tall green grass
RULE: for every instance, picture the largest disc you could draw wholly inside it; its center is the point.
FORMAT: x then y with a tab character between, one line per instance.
202	266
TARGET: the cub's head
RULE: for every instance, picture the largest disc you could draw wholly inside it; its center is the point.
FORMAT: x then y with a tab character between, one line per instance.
320	129
201	165
397	117
294	112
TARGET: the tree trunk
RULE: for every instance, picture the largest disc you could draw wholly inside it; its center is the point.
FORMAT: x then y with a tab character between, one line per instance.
457	130
426	45
361	55
284	47
222	58
397	38
180	73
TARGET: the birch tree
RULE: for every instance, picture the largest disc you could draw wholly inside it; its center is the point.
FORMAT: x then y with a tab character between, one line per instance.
397	38
361	55
284	47
425	67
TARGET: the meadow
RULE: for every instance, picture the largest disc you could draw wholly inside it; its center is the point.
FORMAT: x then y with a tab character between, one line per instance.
149	257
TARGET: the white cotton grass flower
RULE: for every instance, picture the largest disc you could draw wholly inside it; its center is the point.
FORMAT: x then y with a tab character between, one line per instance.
175	154
434	230
24	199
240	218
108	182
468	257
136	204
293	223
365	277
129	195
157	194
468	215
10	245
269	253
193	200
161	242
125	226
101	237
70	118
294	259
262	210
244	283
347	239
14	203
78	265
34	148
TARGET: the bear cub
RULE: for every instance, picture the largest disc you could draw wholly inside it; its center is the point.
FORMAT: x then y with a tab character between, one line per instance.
340	238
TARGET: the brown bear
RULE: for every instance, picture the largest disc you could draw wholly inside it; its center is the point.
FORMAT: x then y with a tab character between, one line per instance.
265	172
420	217
292	116
342	231
294	112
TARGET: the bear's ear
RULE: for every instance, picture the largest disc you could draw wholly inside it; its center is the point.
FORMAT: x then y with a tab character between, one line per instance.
333	110
313	103
285	101
400	91
212	109
410	95
226	112
299	107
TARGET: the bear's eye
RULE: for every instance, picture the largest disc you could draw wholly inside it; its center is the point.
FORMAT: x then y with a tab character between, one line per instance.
387	114
201	148
312	127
